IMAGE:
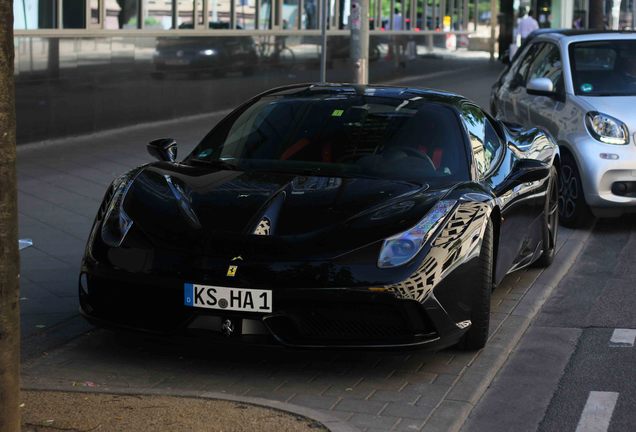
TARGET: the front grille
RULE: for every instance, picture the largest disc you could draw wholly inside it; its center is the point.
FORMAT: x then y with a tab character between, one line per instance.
350	323
330	324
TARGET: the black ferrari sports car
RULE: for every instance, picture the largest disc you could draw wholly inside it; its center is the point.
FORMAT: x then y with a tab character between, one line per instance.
326	215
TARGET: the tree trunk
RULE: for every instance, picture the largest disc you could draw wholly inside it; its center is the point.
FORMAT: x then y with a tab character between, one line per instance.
9	256
596	20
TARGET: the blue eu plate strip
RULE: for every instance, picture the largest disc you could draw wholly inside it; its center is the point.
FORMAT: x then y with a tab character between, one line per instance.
188	294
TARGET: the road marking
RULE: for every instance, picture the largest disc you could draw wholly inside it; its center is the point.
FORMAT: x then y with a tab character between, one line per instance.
623	338
597	412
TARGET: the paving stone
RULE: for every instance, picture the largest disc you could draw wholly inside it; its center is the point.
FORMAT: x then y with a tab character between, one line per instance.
408	425
315	401
342	415
385	384
61	274
360	406
395	396
40	301
314	388
447	417
352	392
446	379
426	388
399	409
373	421
279	395
415	377
432	395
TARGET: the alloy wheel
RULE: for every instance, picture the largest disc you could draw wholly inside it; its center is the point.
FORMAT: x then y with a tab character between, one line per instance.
568	191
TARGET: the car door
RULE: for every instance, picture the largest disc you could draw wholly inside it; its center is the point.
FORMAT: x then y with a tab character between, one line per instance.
493	163
513	89
538	109
491	168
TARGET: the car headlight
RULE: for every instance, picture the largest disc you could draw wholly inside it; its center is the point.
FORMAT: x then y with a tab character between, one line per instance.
117	223
208	52
606	128
403	247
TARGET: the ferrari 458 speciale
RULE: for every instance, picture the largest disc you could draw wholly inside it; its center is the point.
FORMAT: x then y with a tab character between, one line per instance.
322	215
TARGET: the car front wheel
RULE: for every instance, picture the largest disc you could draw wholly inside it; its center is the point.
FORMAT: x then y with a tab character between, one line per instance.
550	221
477	335
573	210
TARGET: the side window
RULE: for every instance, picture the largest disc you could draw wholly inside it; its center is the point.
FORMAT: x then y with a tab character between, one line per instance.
521	72
547	64
475	122
492	144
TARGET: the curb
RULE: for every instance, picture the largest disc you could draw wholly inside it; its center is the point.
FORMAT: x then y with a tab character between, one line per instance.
333	424
451	414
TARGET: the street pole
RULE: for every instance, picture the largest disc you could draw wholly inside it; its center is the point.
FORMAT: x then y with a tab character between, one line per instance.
359	20
323	35
596	15
9	255
493	25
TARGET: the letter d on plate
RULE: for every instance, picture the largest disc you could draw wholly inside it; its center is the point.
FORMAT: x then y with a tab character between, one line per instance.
188	294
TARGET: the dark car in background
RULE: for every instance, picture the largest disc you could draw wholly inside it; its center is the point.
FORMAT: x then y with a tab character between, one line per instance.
216	56
326	215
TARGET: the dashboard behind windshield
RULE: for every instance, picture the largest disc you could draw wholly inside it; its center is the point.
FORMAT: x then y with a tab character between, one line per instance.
342	135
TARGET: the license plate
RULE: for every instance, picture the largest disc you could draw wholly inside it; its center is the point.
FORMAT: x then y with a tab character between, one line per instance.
225	298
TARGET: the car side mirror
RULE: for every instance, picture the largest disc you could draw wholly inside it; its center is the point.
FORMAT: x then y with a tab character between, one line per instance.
540	87
164	149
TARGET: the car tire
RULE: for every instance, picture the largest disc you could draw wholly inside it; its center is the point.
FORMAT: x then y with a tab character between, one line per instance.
550	221
477	335
573	210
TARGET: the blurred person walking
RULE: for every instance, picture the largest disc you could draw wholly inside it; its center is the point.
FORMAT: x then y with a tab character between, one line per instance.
526	25
396	50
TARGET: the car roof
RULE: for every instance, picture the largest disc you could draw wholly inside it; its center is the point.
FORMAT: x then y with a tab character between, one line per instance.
398	92
570	35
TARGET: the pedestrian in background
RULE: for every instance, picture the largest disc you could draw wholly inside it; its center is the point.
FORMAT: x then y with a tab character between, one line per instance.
526	25
396	49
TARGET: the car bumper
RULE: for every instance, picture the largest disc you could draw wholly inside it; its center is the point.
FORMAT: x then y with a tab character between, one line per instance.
308	318
603	168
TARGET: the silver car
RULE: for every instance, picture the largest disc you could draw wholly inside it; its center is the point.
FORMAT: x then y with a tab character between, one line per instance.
580	87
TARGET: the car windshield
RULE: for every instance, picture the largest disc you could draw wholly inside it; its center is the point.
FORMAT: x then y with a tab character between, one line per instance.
604	68
348	135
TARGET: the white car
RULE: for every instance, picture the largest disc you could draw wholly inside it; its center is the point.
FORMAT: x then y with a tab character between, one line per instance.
580	87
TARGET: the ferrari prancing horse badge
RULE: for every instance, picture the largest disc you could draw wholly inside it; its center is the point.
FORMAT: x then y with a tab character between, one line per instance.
231	270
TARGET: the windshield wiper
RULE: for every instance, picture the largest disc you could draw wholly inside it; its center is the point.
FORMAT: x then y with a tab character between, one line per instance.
217	164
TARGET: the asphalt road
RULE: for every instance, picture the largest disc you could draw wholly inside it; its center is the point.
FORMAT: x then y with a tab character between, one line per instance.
574	368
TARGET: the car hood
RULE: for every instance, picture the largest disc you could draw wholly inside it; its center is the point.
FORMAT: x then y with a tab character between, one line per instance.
181	206
620	107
